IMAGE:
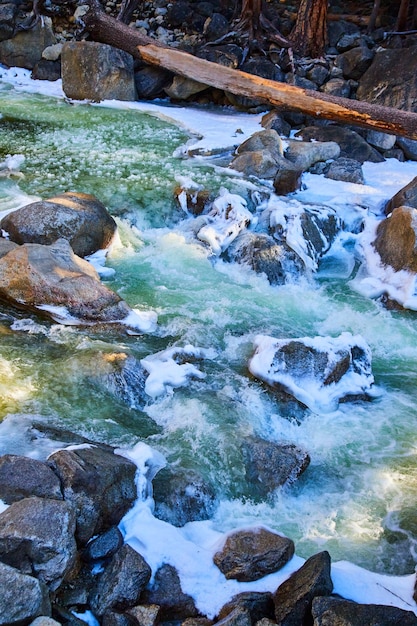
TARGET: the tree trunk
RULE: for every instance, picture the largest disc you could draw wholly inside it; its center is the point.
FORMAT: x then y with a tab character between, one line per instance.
282	95
249	17
402	17
374	16
309	33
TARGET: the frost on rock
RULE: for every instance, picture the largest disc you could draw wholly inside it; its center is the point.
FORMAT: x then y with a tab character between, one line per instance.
319	371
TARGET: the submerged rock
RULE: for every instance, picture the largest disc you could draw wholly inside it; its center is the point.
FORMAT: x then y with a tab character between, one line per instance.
52	279
248	555
270	465
182	496
79	218
319	372
293	599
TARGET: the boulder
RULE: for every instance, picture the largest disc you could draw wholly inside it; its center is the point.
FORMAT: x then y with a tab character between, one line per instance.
26	47
355	62
37	537
165	591
381	141
103	546
273	120
257	163
407	196
95	71
266	256
182	496
395	239
328	610
100	485
304	154
293	598
79	218
151	81
46	70
269	465
121	583
22	597
346	170
8	14
259	605
263	140
182	88
390	80
52	279
288	178
351	144
409	147
319	372
248	555
21	477
338	87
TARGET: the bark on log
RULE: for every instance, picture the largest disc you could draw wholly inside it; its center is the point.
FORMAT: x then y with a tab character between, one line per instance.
281	95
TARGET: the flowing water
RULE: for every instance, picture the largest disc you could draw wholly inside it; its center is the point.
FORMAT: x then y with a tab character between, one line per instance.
361	485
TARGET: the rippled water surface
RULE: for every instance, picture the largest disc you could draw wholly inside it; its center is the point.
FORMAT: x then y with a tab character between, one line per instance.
362	479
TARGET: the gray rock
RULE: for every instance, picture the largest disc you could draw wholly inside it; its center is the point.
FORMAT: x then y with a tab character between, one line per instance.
183	496
395	239
266	256
238	617
6	246
44	621
263	140
166	592
390	80
275	121
409	147
122	582
346	170
258	604
327	610
270	465
407	196
21	477
37	536
96	71
79	218
260	164
100	485
31	277
294	597
182	88
124	377
26	47
337	87
304	154
151	81
248	555
22	597
103	546
46	70
145	615
351	144
356	61
8	13
382	141
215	26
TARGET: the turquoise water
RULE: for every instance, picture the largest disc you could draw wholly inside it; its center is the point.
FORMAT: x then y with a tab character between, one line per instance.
363	473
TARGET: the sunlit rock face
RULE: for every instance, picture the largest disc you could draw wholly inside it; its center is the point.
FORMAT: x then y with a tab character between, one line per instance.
78	217
319	372
53	279
396	239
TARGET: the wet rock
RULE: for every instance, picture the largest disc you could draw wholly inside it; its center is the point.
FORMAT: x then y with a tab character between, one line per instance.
124	377
103	546
21	477
63	286
396	238
293	599
305	154
26	47
407	196
79	218
390	80
346	170
258	604
356	61
151	81
121	583
182	496
351	144
345	613
166	592
270	465
319	372
22	597
248	555
37	536
100	485
266	256
47	70
96	71
75	590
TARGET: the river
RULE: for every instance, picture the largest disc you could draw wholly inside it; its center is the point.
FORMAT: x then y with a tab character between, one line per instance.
357	498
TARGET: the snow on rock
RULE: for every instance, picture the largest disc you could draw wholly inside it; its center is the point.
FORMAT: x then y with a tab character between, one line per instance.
319	371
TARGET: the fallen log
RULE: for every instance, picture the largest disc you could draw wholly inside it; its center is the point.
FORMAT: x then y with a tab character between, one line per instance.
108	30
281	95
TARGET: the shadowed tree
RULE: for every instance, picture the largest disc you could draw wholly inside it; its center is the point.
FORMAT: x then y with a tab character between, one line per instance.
308	37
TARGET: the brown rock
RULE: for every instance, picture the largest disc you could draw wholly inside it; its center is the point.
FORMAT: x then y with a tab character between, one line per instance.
396	238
